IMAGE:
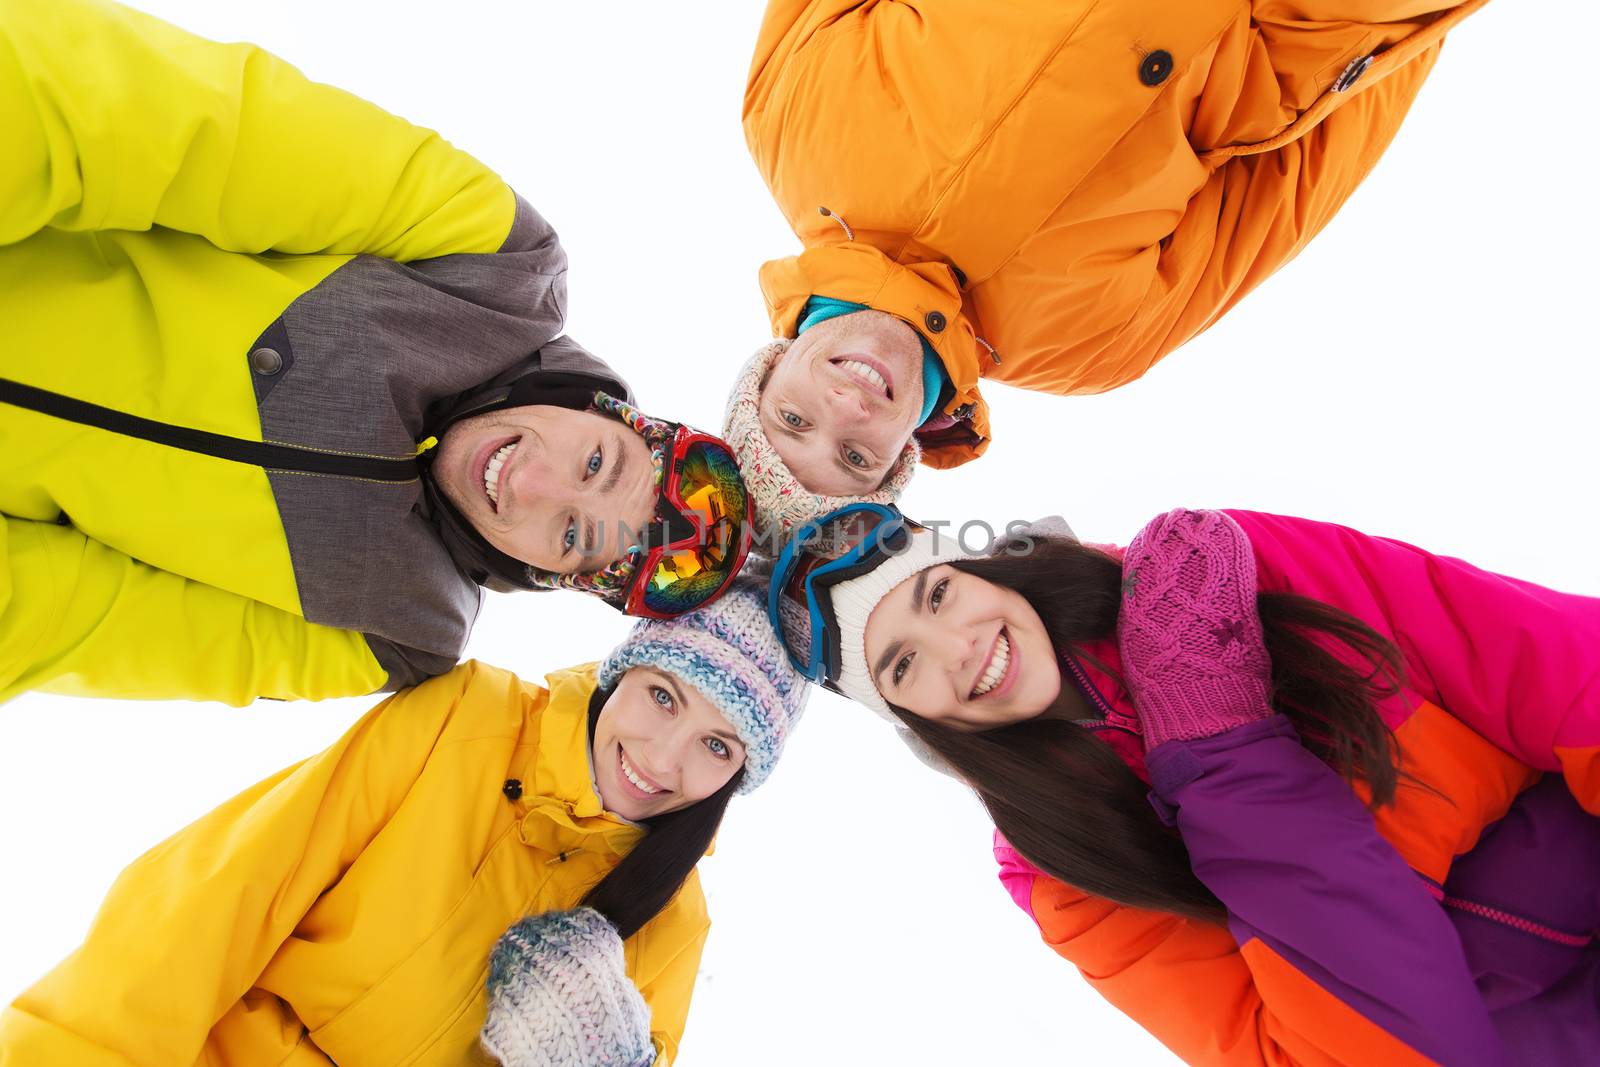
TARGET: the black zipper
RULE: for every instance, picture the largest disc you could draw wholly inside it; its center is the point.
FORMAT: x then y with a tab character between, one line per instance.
257	453
1107	713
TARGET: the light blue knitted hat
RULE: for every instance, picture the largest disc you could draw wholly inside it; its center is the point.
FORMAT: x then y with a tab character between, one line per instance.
729	653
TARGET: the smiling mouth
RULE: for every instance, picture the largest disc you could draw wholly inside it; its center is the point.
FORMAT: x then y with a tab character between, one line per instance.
635	779
995	671
868	375
493	469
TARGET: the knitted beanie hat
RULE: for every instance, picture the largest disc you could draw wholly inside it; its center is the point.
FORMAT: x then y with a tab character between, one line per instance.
781	504
560	996
730	654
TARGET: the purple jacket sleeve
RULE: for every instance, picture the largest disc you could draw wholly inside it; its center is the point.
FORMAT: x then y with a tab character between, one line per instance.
1298	862
1518	663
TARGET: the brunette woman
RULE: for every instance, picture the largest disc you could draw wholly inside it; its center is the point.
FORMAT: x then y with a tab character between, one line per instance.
1190	844
347	909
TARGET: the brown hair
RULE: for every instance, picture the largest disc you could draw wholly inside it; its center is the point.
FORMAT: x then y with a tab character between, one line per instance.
1069	804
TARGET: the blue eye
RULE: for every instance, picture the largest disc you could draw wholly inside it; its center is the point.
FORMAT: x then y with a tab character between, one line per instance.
719	748
661	696
595	462
569	538
854	458
793	420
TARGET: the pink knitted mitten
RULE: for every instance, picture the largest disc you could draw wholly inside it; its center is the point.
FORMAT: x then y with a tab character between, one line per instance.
1191	641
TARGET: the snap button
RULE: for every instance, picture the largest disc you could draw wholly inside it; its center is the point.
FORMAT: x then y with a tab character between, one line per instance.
964	411
934	320
1351	74
266	361
1155	67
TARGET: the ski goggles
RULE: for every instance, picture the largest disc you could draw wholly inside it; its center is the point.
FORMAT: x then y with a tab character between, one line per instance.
841	545
700	533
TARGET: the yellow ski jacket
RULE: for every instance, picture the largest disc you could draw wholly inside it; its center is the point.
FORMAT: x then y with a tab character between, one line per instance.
343	910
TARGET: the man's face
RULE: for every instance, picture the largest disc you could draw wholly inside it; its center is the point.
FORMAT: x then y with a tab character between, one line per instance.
547	485
841	403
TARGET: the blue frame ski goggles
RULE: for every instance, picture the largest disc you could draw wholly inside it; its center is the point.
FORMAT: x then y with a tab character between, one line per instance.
841	545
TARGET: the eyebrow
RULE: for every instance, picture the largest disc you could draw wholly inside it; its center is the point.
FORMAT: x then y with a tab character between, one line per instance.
617	465
672	683
888	657
593	561
919	587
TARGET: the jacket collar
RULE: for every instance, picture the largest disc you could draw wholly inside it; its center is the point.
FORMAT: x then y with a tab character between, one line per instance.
561	809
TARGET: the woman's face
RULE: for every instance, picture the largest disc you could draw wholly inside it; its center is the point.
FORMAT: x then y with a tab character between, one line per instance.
960	650
660	745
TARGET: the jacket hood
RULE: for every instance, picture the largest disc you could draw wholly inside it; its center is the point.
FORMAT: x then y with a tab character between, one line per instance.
561	374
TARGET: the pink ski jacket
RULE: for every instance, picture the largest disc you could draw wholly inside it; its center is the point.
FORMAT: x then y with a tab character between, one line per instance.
1454	926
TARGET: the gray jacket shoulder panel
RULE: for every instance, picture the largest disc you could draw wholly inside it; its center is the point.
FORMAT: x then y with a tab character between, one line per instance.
366	559
373	346
406	666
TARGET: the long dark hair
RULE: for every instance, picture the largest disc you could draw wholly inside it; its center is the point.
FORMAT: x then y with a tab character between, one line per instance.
650	875
1069	804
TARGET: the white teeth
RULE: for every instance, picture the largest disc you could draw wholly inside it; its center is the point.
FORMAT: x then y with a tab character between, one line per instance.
997	667
633	775
491	471
862	370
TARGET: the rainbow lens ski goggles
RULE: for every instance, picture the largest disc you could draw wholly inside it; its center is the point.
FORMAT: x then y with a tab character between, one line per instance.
700	533
841	545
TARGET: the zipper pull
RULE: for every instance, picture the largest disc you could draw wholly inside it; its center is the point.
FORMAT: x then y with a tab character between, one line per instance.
427	444
560	857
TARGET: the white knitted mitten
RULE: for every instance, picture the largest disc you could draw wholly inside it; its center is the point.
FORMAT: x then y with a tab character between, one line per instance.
560	996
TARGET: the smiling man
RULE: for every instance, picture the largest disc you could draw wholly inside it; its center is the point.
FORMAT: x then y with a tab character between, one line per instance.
1051	195
554	487
283	384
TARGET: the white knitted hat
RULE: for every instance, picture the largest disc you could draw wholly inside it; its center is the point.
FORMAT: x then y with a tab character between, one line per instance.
853	601
781	504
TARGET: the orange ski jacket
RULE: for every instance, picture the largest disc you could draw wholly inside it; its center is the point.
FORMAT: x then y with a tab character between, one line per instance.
1058	194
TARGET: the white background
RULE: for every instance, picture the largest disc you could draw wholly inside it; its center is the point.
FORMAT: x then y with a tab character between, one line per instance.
1427	370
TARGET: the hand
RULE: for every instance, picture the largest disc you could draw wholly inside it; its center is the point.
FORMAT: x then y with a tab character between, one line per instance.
560	996
1190	637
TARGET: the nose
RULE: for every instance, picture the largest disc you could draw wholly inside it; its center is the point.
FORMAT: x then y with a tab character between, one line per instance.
533	480
957	646
664	756
847	404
